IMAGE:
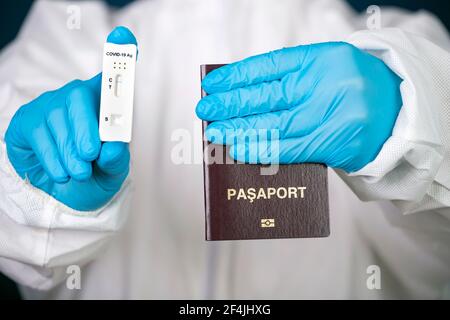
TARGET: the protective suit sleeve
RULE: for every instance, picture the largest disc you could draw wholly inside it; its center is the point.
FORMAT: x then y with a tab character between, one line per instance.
39	236
412	168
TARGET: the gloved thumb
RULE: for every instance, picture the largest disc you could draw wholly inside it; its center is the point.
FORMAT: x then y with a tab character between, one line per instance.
114	159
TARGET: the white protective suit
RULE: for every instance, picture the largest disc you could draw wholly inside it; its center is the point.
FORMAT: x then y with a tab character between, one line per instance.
160	251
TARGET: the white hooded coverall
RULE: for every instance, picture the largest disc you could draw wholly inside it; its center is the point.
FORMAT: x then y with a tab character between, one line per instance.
392	214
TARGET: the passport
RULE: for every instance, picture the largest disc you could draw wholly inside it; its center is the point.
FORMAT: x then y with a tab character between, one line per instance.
242	203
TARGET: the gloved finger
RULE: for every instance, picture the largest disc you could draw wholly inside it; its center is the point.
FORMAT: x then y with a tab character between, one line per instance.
256	69
114	159
265	126
295	122
287	151
59	126
261	98
295	89
121	35
82	108
41	141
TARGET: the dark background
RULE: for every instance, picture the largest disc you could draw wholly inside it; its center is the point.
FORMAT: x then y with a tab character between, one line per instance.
14	12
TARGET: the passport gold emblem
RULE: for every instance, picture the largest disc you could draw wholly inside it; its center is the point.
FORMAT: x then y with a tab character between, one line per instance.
267	223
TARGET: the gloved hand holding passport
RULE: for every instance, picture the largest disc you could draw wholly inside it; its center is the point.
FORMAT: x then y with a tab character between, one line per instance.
328	103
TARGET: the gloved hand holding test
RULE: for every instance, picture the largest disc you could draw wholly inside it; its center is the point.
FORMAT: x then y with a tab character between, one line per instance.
53	141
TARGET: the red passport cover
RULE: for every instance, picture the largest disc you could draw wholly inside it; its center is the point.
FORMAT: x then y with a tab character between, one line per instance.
241	204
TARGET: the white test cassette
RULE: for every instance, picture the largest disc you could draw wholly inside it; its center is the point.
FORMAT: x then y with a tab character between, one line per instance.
116	102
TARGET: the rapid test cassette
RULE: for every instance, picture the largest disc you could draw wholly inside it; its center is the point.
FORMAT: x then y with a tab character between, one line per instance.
116	102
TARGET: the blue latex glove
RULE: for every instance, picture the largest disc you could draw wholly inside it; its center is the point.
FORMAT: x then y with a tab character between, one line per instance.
330	102
54	142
